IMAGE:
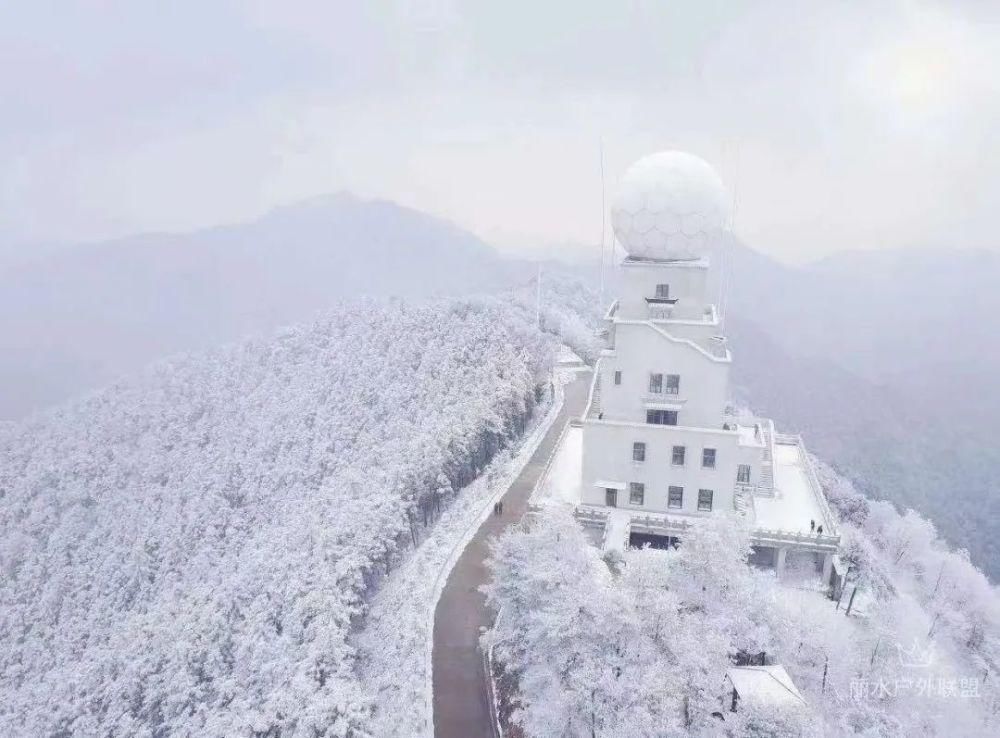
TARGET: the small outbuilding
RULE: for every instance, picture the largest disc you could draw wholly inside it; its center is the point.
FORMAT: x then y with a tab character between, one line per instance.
760	685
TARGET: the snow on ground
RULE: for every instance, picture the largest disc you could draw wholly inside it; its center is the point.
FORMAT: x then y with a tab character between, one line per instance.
394	646
617	530
794	503
561	481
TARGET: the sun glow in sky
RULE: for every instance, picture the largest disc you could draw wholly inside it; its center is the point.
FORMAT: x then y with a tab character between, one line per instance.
922	76
846	124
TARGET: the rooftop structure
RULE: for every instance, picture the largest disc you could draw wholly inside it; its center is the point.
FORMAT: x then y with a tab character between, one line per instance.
761	685
657	449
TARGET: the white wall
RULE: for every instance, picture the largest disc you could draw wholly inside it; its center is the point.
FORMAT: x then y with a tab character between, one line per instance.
641	350
687	280
607	456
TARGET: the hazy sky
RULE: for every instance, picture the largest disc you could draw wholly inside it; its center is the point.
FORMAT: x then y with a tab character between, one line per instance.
841	125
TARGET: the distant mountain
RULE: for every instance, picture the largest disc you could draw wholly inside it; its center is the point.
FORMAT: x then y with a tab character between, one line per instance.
887	363
881	313
75	318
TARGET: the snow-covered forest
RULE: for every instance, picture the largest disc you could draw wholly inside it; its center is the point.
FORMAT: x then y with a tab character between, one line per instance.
185	553
639	643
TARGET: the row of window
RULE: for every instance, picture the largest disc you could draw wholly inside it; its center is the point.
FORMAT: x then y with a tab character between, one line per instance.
661	417
659	383
671	386
678	455
675	497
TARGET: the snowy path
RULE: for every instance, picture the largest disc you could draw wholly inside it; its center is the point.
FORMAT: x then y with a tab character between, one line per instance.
461	708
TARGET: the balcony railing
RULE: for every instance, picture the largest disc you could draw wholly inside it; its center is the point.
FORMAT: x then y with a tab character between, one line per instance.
825	541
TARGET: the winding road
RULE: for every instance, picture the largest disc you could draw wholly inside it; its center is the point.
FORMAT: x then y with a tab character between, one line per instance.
461	702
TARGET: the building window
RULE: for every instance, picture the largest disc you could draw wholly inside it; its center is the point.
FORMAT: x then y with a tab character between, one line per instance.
663	291
705	500
661	417
618	376
611	497
708	458
636	493
677	459
743	474
656	383
638	451
675	497
673	384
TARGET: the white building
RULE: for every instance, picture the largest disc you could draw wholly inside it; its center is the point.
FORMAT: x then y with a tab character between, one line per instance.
657	448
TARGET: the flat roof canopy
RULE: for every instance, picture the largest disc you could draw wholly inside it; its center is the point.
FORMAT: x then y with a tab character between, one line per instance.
664	405
609	485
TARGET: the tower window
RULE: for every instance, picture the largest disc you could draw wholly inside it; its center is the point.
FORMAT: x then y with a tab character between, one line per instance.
661	417
705	500
677	458
656	383
618	376
675	497
638	451
636	493
663	291
743	474
708	458
673	384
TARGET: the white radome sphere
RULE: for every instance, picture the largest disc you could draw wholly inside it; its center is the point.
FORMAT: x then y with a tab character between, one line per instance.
669	206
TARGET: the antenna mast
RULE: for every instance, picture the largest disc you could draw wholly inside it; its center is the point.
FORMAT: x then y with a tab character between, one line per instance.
726	272
600	298
538	297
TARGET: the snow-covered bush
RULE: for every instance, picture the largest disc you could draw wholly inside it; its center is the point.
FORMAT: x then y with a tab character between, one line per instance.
184	553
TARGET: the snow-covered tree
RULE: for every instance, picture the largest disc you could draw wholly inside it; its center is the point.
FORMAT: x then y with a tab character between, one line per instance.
186	553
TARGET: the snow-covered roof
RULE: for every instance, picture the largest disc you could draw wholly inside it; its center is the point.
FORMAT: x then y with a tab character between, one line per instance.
567	358
750	435
764	684
664	405
795	501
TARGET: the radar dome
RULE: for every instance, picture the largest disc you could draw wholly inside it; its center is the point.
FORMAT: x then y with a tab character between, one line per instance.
669	206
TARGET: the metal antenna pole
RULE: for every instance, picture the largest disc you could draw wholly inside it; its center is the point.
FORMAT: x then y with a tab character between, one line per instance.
538	297
603	225
726	276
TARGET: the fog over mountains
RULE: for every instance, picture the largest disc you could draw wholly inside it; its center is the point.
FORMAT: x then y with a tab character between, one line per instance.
885	361
79	316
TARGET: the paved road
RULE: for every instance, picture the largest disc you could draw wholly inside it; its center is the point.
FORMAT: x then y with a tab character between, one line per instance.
461	705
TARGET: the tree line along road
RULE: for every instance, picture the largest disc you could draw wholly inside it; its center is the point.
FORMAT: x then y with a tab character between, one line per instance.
461	701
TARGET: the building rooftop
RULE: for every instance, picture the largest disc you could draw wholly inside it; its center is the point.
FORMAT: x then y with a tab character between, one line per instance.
779	519
797	498
764	685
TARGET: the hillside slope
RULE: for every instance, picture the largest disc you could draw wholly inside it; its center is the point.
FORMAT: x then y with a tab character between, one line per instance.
79	317
185	552
887	364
